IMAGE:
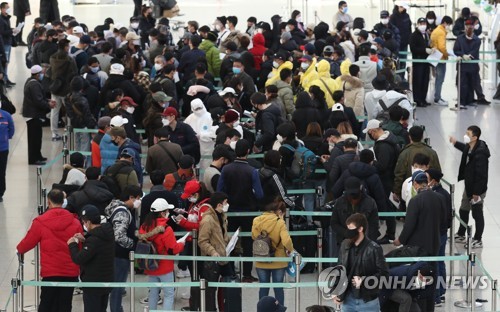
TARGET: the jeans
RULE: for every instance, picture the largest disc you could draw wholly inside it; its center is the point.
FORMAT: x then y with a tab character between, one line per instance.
54	114
405	301
352	304
4	155
278	276
440	74
310	199
477	214
441	272
121	273
7	48
56	299
169	292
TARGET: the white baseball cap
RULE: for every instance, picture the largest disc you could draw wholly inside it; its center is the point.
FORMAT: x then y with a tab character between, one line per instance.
372	124
118	121
160	204
78	30
337	107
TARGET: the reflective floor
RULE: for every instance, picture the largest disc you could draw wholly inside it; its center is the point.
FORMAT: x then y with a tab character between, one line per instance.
20	200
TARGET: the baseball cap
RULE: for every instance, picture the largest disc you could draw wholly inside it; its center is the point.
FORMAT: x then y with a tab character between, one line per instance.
132	36
78	30
103	122
160	204
116	69
170	111
434	173
384	13
128	153
186	162
35	69
127	100
190	188
379	40
90	211
306	58
118	121
269	304
419	176
337	107
280	56
372	124
352	185
161	97
403	4
328	49
422	20
226	91
309	48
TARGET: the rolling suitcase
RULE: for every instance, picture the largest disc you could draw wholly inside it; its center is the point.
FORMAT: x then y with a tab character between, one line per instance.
232	296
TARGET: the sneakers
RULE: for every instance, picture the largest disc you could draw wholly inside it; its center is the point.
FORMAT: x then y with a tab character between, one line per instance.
145	300
56	137
483	101
385	240
475	244
186	295
183	273
459	238
249	279
77	291
441	102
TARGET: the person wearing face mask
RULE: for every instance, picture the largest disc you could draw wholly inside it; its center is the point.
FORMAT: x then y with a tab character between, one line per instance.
201	122
459	25
119	139
231	122
212	53
420	49
134	24
438	41
93	73
181	133
280	61
165	76
146	23
467	48
156	230
121	214
164	155
362	258
122	173
267	120
212	239
403	23
474	171
297	35
153	119
220	27
308	68
386	24
126	110
51	231
341	15
431	18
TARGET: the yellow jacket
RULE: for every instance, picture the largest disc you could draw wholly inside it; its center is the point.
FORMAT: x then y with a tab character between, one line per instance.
324	77
277	232
275	74
309	76
438	40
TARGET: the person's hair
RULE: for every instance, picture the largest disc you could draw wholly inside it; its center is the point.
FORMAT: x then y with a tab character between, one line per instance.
319	308
272	90
162	39
238	60
344	127
476	131
421	159
338	95
405	114
234	82
395	113
354	70
285	73
272	158
350	144
430	15
446	19
318	93
150	220
232	19
130	190
157	176
63	43
244	42
106	47
295	13
313	129
92	60
56	196
51	32
201	68
230	133
276	205
217	198
92	173
287	130
3	4
416	133
341	3
364	49
194	24
366	156
41	31
195	41
242	148
358	219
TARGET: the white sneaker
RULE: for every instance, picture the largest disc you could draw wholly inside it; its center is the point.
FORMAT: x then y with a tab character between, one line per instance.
145	300
183	273
186	295
441	102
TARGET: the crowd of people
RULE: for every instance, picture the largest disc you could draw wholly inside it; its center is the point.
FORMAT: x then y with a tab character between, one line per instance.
232	120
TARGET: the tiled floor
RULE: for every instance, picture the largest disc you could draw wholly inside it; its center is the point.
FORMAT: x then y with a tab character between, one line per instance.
19	206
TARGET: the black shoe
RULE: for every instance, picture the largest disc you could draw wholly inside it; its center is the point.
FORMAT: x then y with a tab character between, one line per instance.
483	101
43	159
460	106
22	44
1	199
10	83
38	163
249	279
421	104
385	240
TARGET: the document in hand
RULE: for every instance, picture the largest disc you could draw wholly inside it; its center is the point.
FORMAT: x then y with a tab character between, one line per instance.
232	242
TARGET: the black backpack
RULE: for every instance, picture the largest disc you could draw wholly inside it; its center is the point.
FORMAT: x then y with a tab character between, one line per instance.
178	189
109	177
383	116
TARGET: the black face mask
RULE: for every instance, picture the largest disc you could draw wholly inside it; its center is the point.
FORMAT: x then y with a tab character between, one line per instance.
114	143
352	234
371	136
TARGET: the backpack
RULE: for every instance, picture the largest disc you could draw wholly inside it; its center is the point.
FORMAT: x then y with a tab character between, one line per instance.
76	53
145	247
262	245
109	178
304	161
178	189
383	116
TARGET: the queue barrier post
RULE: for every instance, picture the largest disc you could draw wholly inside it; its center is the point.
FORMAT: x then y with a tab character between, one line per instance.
21	277
39	184
65	147
470	296
452	230
287	218
15	298
494	295
297	259
319	196
320	255
132	280
194	234
203	295
71	138
44	200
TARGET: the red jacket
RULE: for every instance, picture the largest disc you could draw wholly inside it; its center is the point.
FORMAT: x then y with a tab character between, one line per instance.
195	215
95	150
165	244
258	49
53	230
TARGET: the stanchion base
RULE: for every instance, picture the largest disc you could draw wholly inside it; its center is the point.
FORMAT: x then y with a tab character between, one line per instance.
29	308
463	304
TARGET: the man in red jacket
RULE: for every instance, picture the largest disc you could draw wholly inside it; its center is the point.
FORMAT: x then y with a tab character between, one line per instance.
52	231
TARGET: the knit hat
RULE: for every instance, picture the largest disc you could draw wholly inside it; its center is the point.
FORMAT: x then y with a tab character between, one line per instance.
286	36
103	122
221	19
231	116
116	69
35	69
77	160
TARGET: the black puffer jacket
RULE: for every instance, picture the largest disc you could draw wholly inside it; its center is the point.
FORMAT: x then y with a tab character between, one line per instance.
339	165
371	181
475	170
119	81
304	114
96	258
78	110
91	192
266	122
386	151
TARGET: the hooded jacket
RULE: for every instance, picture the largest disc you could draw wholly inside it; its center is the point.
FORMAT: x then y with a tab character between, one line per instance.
354	93
163	238
109	152
212	237
367	71
124	227
275	74
396	128
273	187
115	81
304	113
276	230
62	67
35	105
92	192
371	101
212	54
266	122
391	97
309	76
285	93
52	230
78	111
474	167
325	82
258	49
386	151
97	256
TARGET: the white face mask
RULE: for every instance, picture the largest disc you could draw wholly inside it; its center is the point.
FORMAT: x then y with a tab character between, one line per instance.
166	215
347	29
225	207
430	21
331	146
165	122
143	63
422	28
9	11
130	109
65	203
299	19
137	203
236	123
218	27
304	66
287	29
476	27
85	228
279	138
260	30
158	67
192	199
384	21
136	42
466	139
232	144
134	25
275	64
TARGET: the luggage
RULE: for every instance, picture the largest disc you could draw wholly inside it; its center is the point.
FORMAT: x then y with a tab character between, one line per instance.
305	245
232	296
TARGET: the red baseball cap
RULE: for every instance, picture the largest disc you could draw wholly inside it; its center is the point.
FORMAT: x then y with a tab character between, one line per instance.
192	187
170	111
126	100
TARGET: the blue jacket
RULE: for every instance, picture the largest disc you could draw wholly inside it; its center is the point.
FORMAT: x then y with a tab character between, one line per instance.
109	152
137	159
6	130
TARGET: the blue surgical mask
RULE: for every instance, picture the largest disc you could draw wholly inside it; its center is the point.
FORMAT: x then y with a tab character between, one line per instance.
344	10
166	104
40	77
94	69
236	70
